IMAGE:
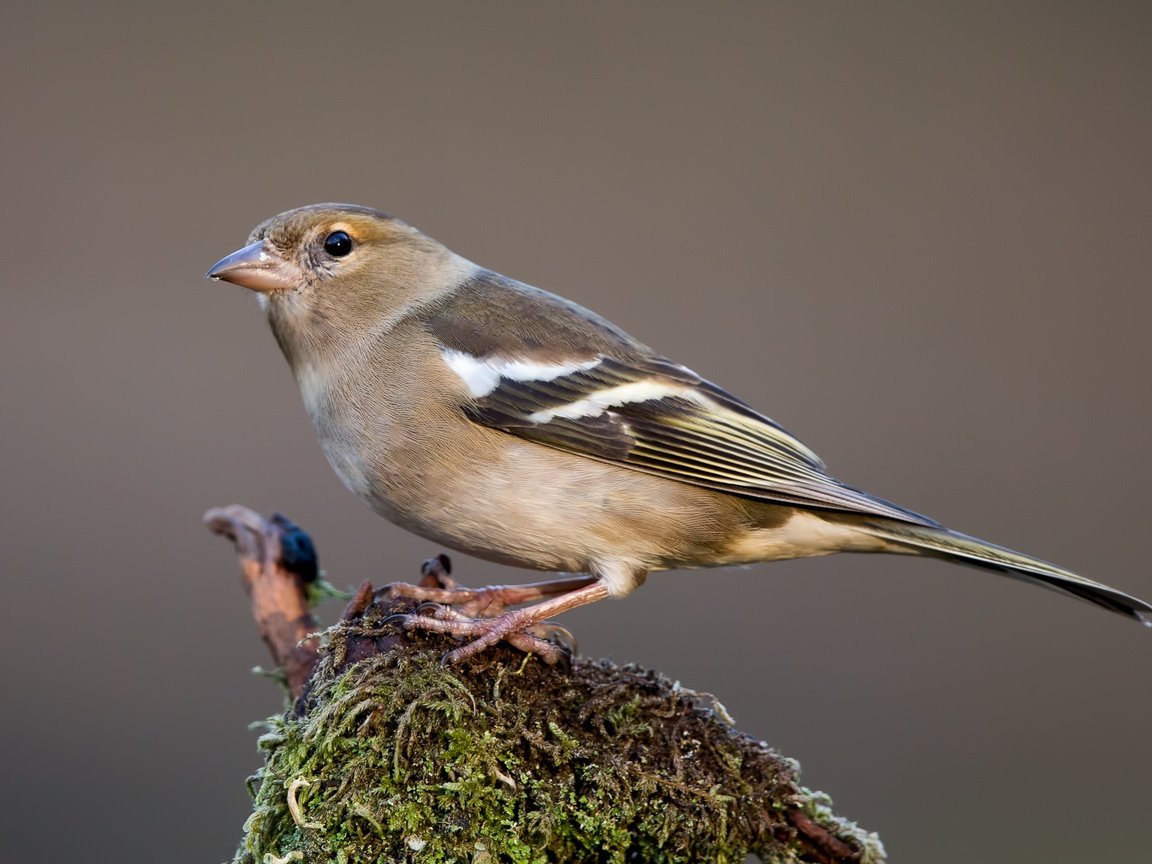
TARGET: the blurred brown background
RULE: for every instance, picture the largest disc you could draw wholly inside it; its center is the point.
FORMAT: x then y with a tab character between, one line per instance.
916	234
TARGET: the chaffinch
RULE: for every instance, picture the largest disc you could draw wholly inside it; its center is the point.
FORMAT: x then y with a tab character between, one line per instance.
516	426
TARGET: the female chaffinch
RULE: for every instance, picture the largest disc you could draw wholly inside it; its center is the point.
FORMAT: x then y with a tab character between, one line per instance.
519	427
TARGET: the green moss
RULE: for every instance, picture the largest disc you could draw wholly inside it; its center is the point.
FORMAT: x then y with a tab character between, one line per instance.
394	758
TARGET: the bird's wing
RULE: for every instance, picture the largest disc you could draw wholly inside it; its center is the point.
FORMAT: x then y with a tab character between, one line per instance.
612	400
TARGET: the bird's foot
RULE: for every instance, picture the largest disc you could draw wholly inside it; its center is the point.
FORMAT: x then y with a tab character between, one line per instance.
521	629
482	615
437	586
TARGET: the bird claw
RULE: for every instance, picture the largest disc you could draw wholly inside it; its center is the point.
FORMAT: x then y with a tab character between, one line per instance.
432	609
552	633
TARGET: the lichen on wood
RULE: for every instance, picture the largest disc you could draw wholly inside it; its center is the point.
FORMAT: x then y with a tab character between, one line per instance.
386	755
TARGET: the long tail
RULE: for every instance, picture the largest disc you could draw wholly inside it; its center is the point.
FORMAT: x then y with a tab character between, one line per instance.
969	550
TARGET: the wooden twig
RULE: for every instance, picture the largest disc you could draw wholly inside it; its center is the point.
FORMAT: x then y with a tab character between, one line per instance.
277	561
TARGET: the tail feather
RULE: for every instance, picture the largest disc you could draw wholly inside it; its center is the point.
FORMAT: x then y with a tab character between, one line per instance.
970	550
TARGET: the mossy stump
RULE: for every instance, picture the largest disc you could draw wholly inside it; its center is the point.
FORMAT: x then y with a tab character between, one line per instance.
387	756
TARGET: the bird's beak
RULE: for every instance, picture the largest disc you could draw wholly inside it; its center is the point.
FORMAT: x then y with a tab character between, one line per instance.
257	266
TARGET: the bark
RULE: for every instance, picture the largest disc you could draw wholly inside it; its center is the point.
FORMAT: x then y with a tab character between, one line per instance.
384	754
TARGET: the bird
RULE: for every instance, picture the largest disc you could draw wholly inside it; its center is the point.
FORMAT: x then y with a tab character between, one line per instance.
517	426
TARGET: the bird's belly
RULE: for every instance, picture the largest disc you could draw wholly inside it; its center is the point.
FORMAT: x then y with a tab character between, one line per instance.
521	518
530	506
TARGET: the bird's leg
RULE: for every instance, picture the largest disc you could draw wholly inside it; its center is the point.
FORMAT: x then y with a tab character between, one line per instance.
515	626
486	602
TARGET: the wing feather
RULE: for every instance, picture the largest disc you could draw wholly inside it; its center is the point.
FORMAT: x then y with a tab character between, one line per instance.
600	393
691	431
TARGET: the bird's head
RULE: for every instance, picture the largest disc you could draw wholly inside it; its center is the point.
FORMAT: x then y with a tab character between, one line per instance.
330	272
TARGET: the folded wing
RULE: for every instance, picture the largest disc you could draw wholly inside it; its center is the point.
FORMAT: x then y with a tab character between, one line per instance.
651	415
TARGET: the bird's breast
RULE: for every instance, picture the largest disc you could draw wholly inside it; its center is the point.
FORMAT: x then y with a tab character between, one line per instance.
344	431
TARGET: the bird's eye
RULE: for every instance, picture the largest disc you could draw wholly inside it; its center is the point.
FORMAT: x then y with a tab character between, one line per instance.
338	244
